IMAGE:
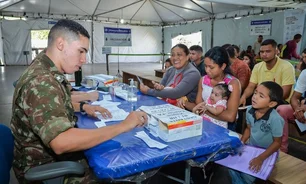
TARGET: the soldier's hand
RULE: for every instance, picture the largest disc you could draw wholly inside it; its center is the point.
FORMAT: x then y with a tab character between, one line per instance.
134	119
92	109
93	96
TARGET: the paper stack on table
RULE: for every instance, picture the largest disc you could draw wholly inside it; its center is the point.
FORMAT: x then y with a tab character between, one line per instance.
150	142
117	113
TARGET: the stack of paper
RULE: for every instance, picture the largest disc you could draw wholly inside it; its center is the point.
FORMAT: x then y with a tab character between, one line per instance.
241	162
150	142
117	113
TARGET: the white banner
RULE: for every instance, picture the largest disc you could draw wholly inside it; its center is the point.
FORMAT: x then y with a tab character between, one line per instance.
117	37
261	27
293	24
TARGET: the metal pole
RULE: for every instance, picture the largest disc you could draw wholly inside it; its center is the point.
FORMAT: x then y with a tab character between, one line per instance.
212	32
92	40
107	66
163	48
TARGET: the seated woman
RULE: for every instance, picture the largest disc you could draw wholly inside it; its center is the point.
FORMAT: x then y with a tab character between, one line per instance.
179	80
249	60
218	70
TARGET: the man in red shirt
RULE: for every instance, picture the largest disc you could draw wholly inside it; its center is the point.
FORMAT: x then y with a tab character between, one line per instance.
289	49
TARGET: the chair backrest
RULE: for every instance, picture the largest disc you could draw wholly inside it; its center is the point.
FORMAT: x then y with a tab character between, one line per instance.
6	153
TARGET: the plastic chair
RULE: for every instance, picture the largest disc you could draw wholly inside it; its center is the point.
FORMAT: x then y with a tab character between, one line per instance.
6	153
52	173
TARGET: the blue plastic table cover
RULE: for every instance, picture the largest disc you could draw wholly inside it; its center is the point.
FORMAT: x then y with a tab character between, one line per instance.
127	155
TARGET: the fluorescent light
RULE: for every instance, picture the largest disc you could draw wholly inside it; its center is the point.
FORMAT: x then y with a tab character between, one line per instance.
237	18
121	21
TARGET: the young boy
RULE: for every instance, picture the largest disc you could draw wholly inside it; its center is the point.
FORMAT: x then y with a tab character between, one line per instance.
264	127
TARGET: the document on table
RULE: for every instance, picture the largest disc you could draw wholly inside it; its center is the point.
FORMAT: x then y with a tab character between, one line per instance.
241	162
118	115
150	142
302	126
105	103
100	124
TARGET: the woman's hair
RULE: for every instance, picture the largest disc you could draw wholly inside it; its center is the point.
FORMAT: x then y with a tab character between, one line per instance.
182	46
225	90
251	60
303	65
220	57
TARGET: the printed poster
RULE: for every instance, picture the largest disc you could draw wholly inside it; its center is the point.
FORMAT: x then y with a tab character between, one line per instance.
117	36
261	27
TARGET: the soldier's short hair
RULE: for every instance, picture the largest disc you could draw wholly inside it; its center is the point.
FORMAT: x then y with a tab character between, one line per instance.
68	29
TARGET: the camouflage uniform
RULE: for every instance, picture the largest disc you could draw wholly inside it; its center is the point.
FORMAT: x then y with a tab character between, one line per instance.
42	109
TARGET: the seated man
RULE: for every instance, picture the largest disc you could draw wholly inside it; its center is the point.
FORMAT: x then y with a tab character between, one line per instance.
296	109
196	58
272	69
43	120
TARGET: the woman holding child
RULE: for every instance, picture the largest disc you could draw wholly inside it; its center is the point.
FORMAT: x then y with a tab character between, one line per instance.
179	81
218	71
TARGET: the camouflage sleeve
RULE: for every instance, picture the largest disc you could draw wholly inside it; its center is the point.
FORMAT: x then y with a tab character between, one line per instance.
43	102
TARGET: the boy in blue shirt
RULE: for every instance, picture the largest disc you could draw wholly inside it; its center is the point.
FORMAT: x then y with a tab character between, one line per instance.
264	127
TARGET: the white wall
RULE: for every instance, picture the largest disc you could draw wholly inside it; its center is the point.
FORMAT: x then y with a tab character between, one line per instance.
237	32
171	32
145	40
17	38
231	31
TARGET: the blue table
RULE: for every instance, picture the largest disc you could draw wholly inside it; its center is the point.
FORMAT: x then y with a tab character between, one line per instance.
127	155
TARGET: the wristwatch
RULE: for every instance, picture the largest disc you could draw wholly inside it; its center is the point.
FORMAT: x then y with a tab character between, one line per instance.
81	107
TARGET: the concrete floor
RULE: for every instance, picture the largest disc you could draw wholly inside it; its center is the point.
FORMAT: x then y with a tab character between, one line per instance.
9	74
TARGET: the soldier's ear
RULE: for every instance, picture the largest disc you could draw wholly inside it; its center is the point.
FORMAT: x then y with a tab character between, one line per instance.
60	43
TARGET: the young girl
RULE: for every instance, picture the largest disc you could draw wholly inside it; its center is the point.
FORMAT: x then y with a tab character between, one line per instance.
215	104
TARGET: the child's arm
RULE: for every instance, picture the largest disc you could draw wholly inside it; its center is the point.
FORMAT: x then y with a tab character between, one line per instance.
214	110
246	134
255	163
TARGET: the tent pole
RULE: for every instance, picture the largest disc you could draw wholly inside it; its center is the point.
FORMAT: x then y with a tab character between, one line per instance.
92	40
212	32
163	48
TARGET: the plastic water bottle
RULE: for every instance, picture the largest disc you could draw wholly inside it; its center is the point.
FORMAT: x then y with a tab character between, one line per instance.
132	92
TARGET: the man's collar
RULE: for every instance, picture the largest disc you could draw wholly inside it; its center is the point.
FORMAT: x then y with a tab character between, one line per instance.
264	117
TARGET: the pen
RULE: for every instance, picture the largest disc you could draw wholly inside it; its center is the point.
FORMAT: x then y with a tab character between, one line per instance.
97	85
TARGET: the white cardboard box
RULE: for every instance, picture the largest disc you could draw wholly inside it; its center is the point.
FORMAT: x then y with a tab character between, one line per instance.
171	123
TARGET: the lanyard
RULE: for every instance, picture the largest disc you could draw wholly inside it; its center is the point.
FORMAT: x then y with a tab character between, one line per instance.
177	80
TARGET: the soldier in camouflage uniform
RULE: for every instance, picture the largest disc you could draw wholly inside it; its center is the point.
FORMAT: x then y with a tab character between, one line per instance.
43	121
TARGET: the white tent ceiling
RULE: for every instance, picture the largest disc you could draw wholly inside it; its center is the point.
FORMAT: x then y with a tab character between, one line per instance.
145	12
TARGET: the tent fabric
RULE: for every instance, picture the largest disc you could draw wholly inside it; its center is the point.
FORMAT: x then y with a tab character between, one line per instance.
228	31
